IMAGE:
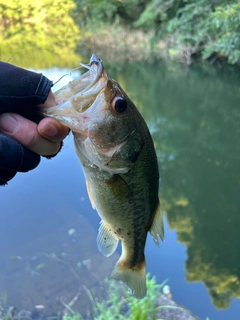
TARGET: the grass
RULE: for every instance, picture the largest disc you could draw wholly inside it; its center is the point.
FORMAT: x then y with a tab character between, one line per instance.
121	305
120	43
117	43
118	305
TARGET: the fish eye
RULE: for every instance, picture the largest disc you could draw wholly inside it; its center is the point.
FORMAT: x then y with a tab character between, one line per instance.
119	104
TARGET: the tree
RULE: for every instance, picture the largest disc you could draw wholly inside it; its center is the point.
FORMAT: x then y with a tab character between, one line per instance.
38	33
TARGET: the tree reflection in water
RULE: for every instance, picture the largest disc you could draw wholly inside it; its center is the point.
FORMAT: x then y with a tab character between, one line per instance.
194	116
39	34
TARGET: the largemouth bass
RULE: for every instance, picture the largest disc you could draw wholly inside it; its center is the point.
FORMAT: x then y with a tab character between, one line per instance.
120	165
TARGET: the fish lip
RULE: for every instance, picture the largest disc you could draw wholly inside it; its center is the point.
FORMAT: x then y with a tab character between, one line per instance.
95	72
94	59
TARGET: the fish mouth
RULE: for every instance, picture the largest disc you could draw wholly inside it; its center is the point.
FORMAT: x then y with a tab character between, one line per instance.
82	91
78	97
94	81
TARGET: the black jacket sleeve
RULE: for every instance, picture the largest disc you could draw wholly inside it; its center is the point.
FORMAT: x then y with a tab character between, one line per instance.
21	90
14	158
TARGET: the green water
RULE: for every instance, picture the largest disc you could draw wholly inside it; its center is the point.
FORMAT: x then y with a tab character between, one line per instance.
194	116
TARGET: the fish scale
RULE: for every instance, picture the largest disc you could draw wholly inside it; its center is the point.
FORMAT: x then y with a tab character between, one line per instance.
120	165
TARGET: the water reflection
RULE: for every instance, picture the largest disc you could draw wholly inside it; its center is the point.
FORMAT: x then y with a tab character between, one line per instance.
42	262
37	34
193	114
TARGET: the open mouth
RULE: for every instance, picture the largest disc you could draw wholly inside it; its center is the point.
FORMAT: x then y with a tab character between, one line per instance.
90	83
79	96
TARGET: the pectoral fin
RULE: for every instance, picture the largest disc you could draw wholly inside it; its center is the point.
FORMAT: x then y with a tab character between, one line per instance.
119	187
157	228
106	241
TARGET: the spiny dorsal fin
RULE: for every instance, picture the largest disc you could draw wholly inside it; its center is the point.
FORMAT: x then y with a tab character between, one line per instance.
157	228
106	241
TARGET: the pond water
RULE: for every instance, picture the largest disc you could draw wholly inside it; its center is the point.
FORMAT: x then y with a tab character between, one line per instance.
193	114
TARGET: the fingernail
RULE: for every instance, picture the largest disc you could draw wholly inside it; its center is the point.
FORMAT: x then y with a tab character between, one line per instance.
8	124
49	130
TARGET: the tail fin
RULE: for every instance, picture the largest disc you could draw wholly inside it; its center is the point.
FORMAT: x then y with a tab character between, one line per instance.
134	278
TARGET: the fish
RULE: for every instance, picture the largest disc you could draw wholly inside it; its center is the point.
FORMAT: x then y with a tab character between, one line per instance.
117	154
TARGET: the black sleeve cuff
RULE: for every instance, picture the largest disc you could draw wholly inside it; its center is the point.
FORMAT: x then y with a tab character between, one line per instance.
15	158
21	89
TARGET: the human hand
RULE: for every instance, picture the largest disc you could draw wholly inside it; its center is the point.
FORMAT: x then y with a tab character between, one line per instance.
43	138
22	141
24	134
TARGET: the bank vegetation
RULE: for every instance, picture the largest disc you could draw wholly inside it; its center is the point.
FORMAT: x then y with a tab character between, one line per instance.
182	30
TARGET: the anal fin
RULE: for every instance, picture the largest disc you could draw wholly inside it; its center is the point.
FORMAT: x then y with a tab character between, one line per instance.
106	241
157	228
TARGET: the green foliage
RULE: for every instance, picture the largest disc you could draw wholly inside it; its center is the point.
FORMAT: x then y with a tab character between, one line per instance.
193	114
124	306
190	24
6	313
75	316
156	13
90	12
202	27
225	23
47	30
206	27
144	308
38	33
70	314
121	305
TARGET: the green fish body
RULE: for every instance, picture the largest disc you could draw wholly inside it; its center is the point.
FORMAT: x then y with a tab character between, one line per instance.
120	165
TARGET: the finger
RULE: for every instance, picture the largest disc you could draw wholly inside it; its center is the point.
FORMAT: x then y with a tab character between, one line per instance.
52	130
26	132
50	102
